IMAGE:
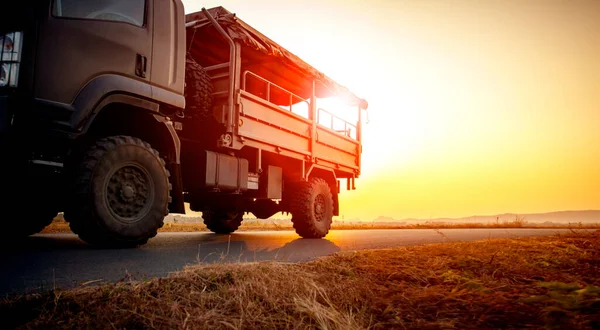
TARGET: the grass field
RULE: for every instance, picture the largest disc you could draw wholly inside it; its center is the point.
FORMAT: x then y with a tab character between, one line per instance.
543	282
60	226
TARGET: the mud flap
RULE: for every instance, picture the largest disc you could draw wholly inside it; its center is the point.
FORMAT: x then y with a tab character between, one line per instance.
177	202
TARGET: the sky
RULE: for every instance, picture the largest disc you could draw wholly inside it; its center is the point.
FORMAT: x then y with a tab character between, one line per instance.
475	107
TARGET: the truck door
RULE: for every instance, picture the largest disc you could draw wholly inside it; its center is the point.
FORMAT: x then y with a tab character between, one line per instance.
168	56
83	39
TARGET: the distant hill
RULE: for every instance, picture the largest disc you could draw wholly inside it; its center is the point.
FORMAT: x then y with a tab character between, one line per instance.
381	218
585	217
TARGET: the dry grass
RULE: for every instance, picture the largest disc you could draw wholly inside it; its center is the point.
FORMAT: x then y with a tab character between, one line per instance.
539	282
60	226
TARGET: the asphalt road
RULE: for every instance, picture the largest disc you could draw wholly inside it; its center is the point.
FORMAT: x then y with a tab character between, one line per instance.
44	262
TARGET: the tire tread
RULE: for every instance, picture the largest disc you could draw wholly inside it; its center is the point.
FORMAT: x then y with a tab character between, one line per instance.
80	213
302	211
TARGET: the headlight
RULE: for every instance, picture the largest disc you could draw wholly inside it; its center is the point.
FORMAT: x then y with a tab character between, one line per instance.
10	58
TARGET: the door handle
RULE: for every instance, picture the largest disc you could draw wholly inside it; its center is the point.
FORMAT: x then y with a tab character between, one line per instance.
141	64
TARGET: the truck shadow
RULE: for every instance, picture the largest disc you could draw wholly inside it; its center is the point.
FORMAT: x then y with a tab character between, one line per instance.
45	262
241	248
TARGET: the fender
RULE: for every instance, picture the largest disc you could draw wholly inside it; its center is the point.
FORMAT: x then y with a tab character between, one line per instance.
177	204
111	88
143	104
321	169
93	94
174	137
84	123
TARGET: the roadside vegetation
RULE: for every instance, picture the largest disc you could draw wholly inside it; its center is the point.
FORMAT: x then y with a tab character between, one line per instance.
60	226
542	282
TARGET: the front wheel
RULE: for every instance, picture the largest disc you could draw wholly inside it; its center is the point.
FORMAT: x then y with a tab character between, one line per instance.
312	208
121	193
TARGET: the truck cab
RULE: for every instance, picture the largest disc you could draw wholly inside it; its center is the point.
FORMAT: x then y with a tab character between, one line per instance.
76	71
118	112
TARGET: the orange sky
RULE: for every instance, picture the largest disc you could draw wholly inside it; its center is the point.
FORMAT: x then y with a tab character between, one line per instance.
476	107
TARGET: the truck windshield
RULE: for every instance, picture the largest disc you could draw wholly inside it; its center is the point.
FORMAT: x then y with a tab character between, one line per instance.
131	11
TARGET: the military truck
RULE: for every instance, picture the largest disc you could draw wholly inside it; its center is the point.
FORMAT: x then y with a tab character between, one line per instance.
119	112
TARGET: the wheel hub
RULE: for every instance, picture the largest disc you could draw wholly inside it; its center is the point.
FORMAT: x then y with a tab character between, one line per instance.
319	208
128	193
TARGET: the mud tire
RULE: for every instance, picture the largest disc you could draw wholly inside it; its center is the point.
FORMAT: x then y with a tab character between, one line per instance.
312	208
120	195
198	90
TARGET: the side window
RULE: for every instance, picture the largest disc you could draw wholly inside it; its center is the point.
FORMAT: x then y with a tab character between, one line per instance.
128	11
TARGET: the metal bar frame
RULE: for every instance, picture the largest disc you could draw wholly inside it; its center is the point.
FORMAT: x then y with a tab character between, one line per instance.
269	84
233	60
346	123
312	116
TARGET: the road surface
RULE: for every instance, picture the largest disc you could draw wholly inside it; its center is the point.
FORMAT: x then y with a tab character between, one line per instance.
44	262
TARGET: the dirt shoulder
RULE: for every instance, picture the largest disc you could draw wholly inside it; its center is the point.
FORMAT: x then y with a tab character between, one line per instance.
497	283
61	226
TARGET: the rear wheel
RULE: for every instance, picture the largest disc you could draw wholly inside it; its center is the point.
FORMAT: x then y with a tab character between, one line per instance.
121	193
312	208
221	221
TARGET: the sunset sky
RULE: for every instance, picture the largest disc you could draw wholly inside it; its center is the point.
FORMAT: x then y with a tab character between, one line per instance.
476	107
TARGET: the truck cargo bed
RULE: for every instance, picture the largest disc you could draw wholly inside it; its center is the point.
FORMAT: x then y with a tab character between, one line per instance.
266	98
